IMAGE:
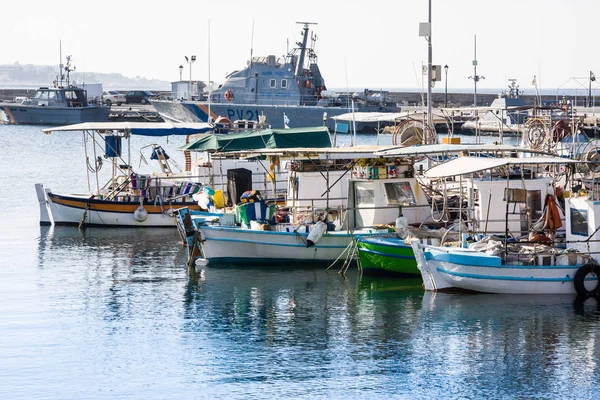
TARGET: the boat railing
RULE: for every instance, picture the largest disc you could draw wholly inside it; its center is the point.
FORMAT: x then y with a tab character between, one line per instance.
167	189
282	99
318	209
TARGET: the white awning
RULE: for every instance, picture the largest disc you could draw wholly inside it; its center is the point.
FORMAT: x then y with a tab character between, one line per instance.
386	116
469	165
428	149
137	128
322	153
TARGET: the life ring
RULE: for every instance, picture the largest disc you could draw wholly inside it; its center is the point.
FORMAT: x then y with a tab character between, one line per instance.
229	95
580	275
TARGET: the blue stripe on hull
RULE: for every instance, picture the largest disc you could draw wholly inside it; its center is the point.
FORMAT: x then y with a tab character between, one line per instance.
567	278
257	262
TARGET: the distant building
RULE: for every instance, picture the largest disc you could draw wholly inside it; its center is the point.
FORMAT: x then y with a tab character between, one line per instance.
186	90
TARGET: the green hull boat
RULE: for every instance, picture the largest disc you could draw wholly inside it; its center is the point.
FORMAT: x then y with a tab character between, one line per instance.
386	255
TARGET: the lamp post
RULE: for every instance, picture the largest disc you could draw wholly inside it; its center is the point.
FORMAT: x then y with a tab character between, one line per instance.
190	61
425	31
592	79
446	87
180	72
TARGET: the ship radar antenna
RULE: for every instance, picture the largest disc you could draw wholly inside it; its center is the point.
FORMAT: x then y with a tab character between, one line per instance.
303	47
252	43
68	69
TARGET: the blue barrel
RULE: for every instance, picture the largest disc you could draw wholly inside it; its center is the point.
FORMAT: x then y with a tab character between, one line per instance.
113	146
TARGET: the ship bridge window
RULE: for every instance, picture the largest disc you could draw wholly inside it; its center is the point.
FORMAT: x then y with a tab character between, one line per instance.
399	193
579	224
284	83
273	83
41	95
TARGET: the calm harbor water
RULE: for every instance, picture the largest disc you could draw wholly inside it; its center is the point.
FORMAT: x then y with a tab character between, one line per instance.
114	314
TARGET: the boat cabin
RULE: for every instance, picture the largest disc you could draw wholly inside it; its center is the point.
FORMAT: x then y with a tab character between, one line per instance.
59	97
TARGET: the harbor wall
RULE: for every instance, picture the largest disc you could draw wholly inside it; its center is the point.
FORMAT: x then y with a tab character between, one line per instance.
403	98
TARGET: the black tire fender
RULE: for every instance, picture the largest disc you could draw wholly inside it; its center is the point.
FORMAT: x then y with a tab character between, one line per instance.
579	281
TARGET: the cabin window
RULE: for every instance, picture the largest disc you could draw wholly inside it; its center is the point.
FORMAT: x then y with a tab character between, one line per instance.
364	194
534	203
399	193
273	83
284	83
579	225
41	95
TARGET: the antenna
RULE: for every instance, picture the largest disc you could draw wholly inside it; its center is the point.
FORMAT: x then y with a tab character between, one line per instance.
209	85
252	43
476	78
60	65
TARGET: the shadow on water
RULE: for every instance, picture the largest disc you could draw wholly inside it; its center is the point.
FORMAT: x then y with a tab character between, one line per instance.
588	307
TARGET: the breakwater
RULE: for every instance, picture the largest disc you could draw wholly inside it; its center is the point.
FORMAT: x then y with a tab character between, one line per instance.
402	98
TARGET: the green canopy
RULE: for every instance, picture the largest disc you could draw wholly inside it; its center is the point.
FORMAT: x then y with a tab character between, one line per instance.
261	139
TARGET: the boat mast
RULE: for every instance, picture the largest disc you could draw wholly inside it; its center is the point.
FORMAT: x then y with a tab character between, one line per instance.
429	66
209	85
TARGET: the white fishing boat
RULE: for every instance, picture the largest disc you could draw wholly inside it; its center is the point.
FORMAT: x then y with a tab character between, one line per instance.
127	198
359	190
475	204
330	201
531	264
507	114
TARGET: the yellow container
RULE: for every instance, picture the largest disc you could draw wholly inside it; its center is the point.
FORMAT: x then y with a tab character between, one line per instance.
218	199
453	140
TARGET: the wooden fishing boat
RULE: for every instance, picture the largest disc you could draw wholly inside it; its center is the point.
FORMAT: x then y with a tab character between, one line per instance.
128	198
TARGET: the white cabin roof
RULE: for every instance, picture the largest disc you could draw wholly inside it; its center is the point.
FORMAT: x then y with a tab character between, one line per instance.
469	165
322	153
386	116
421	150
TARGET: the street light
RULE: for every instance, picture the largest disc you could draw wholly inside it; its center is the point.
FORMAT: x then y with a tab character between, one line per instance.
180	72
592	79
425	31
190	62
446	87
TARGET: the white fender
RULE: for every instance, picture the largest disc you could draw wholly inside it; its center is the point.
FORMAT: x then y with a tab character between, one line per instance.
140	214
401	223
316	233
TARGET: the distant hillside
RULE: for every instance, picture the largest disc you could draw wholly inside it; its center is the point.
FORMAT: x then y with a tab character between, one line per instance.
32	76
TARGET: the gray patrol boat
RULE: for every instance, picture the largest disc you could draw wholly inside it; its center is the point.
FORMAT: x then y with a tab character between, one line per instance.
58	105
288	92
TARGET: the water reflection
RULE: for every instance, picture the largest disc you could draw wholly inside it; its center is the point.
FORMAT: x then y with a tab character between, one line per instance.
309	325
235	329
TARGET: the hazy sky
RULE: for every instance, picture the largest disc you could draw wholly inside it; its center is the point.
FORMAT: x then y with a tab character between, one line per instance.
362	44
